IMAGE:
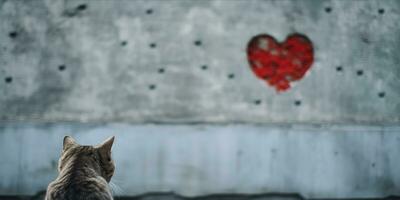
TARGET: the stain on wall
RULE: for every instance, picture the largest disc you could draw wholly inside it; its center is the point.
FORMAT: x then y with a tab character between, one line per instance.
277	63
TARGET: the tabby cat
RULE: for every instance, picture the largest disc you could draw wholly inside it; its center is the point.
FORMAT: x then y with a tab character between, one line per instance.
84	172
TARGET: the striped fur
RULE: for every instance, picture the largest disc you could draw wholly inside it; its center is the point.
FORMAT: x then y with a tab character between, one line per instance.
84	172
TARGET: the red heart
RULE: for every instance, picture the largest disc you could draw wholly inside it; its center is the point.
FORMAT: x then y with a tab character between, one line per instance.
280	63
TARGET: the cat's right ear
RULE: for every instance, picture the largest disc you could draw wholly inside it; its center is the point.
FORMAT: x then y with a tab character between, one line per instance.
68	142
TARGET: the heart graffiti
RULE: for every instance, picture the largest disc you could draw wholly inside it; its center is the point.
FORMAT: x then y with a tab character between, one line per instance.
279	64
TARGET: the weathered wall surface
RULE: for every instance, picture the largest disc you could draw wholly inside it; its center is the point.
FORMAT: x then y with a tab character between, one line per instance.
317	162
173	64
138	61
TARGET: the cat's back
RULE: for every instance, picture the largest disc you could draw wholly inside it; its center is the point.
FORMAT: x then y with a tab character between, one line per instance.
86	189
84	172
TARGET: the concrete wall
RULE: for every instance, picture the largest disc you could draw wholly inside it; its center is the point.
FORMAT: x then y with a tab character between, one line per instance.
111	72
190	115
316	162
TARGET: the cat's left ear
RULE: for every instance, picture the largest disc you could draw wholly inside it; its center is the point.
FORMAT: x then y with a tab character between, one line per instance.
105	147
68	142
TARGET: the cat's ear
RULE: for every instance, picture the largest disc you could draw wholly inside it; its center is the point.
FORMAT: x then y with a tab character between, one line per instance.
68	142
105	147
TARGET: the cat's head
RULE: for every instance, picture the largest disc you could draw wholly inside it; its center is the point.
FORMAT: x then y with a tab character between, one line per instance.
96	157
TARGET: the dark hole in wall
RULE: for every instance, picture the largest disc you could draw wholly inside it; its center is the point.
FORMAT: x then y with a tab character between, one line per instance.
365	39
149	11
339	68
61	67
198	43
161	70
152	87
81	7
257	102
381	11
13	34
8	79
360	72
153	45
74	12
204	67
231	76
381	94
297	103
328	9
124	43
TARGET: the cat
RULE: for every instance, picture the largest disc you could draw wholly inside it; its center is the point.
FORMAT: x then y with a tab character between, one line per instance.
84	172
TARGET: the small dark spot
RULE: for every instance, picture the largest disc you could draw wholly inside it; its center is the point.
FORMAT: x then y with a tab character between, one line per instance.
297	103
360	72
328	9
81	7
381	11
153	45
204	67
339	68
8	79
161	70
13	34
197	42
231	76
373	165
109	159
124	43
152	87
257	102
149	11
336	153
381	94
61	67
273	150
364	38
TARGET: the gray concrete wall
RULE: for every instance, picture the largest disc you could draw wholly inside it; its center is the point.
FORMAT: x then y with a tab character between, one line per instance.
191	117
314	161
105	80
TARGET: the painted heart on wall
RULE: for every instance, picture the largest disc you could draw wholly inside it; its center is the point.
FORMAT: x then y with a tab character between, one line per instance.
279	64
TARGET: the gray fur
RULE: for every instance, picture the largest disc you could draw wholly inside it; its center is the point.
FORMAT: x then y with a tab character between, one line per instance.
84	172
